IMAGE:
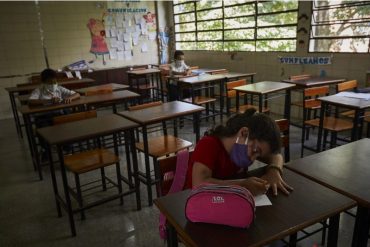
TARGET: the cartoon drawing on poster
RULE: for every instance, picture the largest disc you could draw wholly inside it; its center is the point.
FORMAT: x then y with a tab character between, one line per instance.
164	38
98	44
150	21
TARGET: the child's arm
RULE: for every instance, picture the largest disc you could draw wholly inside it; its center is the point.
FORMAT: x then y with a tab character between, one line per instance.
71	98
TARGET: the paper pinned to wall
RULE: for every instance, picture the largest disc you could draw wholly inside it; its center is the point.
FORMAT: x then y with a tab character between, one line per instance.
135	38
121	55
128	22
144	47
138	18
126	37
113	54
128	55
138	28
119	21
127	46
113	43
108	20
78	74
152	35
144	29
120	45
113	32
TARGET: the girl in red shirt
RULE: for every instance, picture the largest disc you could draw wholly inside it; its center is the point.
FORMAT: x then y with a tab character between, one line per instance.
221	154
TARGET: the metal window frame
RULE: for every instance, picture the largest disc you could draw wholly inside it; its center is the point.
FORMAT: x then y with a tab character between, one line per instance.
223	40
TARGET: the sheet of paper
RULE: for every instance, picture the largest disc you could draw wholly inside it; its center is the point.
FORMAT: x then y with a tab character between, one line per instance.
128	55
365	96
113	43
69	74
127	37
127	46
119	21
138	28
262	200
107	33
135	40
144	47
113	32
113	54
121	55
108	20
78	74
138	18
120	45
152	35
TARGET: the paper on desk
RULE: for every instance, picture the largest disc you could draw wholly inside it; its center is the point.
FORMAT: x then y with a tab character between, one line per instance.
262	200
365	96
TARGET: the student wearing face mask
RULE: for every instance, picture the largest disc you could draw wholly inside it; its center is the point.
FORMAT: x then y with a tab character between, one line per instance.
221	155
177	68
50	92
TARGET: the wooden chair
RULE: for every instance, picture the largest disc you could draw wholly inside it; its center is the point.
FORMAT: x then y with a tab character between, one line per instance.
90	160
159	146
105	90
298	78
330	124
231	93
284	131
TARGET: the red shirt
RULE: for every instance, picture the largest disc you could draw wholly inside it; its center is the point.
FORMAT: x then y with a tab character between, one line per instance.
211	152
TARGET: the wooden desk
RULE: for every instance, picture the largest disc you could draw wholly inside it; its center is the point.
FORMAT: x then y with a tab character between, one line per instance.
148	74
230	76
286	216
315	81
359	105
27	112
261	89
67	133
157	114
346	170
13	91
113	86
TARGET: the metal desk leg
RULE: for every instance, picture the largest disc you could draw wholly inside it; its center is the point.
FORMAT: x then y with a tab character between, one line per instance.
355	130
287	105
333	231
66	191
171	236
361	230
237	101
222	89
260	102
131	141
54	180
148	178
293	240
196	126
319	136
15	114
32	145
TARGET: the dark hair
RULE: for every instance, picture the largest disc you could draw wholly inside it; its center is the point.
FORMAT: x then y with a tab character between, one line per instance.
261	127
48	74
178	53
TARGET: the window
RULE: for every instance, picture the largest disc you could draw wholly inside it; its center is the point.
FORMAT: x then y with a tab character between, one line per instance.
236	25
340	26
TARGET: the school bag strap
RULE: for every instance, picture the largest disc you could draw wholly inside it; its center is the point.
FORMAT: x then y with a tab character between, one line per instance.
177	185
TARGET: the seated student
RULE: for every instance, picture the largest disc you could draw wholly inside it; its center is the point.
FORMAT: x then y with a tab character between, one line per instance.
226	151
178	67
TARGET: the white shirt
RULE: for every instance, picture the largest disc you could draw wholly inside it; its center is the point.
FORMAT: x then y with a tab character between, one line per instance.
47	92
178	66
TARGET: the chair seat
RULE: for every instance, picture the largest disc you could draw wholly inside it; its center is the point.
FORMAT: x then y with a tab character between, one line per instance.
200	100
331	123
313	105
90	160
163	145
230	94
243	108
351	114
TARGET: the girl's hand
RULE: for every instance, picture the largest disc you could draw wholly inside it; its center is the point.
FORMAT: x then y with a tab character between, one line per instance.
273	177
256	186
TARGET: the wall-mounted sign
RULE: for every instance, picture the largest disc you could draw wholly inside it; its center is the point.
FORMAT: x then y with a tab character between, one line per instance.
305	60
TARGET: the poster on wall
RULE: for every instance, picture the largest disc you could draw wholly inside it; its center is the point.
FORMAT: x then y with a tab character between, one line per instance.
305	60
123	26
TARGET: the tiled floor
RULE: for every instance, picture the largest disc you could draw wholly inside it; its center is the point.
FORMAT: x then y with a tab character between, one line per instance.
28	215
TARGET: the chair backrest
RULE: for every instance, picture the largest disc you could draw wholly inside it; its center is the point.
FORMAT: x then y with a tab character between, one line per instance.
347	85
139	68
194	67
299	77
284	132
232	84
74	117
146	105
166	169
99	91
218	71
310	95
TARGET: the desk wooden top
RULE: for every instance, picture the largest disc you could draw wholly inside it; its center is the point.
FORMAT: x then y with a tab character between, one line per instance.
113	86
233	75
143	71
201	78
346	101
31	87
315	81
264	87
162	112
287	215
85	129
344	169
84	100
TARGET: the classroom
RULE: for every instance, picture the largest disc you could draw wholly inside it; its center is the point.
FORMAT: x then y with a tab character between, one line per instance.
185	123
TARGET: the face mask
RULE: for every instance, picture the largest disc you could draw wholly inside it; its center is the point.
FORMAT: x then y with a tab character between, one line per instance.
179	62
239	154
51	87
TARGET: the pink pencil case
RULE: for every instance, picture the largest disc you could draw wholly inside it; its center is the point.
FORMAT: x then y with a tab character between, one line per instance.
219	204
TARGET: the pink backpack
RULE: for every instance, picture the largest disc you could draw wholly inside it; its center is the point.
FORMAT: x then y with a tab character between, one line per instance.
176	186
230	205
